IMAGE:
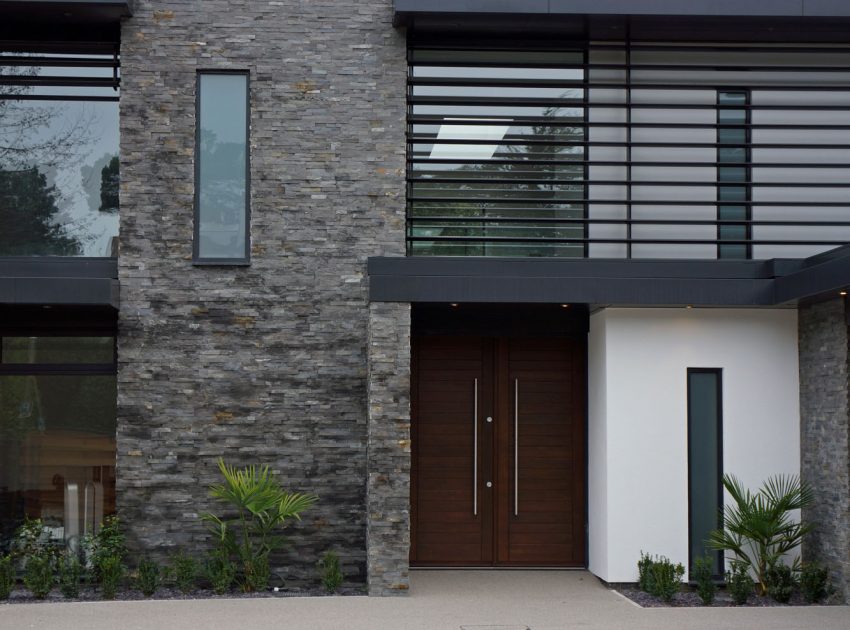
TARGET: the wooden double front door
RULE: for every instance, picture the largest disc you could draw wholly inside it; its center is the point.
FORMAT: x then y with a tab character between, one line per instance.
498	473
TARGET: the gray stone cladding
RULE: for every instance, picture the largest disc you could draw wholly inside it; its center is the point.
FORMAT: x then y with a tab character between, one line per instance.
825	435
266	363
388	489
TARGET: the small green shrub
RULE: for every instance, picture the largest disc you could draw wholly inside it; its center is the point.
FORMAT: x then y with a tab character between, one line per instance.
780	582
703	575
739	583
108	542
7	576
331	574
184	572
666	578
814	583
221	573
70	576
644	571
38	575
149	578
111	573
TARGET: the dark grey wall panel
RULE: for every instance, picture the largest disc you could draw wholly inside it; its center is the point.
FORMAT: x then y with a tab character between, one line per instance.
82	291
679	7
826	8
57	267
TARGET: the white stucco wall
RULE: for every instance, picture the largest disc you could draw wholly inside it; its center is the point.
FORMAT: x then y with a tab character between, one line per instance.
637	427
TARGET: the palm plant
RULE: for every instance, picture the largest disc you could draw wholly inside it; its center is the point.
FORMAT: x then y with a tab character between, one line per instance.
758	528
262	507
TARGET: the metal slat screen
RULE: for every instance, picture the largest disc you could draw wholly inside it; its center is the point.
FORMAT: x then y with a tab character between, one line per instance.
629	151
496	160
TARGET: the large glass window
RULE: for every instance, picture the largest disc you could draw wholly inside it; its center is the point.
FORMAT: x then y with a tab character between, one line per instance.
57	434
221	187
705	461
496	159
59	168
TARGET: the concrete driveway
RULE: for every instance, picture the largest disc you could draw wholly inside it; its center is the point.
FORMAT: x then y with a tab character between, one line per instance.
439	600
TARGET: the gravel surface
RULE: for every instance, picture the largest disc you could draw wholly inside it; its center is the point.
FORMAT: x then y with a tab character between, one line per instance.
688	598
87	594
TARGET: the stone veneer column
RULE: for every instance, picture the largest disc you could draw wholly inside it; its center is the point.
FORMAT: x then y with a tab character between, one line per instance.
825	435
388	475
266	363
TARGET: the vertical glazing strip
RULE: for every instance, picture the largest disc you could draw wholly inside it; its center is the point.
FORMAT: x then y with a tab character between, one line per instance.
475	450
516	447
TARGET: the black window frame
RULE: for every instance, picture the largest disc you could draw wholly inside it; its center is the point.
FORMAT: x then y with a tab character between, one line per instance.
718	372
746	165
197	260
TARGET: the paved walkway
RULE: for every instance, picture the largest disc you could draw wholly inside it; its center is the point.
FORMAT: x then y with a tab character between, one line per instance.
439	600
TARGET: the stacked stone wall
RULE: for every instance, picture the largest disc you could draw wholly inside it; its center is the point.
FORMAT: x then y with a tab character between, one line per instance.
825	435
265	363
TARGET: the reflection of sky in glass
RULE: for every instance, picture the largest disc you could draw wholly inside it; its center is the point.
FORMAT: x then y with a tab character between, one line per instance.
92	137
222	161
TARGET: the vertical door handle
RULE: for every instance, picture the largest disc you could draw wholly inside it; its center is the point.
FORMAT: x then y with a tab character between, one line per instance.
516	447
475	449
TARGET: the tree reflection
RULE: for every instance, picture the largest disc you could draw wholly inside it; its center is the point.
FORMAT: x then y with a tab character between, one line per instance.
43	144
517	171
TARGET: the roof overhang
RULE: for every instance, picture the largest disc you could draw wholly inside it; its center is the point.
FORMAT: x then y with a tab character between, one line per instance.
59	280
92	21
744	283
694	20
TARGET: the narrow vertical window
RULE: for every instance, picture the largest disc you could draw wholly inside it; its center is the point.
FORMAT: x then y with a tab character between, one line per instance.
705	461
733	175
221	169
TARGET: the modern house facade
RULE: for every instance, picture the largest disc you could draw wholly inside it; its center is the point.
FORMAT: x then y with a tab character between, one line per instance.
505	284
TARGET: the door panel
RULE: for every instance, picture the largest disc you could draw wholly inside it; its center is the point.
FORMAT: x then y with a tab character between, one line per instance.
446	528
545	454
548	528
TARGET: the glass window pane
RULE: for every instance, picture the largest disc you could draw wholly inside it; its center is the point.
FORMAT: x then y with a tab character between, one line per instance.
704	460
57	350
222	166
491	152
732	193
59	167
57	449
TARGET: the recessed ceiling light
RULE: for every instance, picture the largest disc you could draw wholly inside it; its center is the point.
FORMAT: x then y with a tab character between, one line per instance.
565	306
842	293
454	305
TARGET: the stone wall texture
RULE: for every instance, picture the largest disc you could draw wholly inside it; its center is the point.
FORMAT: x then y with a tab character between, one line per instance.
825	435
388	489
266	363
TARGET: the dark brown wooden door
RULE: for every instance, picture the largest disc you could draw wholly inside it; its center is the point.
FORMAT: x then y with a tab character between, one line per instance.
498	452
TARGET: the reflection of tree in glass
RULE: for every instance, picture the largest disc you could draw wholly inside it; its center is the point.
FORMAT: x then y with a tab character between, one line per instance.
27	212
223	176
553	198
109	181
222	193
36	138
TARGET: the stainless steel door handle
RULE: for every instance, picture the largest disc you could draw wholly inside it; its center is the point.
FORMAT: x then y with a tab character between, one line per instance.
475	450
516	447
